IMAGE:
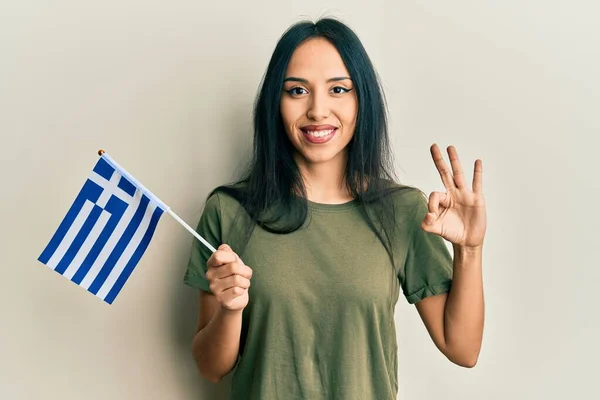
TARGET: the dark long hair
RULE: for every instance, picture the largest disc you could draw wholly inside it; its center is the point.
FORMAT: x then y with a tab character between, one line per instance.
271	190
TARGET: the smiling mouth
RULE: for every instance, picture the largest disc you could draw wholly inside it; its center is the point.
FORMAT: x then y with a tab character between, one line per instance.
319	135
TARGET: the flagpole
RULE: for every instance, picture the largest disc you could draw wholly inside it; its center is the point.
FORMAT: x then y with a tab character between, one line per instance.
182	222
193	232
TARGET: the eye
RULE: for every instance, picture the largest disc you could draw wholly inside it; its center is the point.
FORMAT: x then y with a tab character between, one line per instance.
340	90
296	91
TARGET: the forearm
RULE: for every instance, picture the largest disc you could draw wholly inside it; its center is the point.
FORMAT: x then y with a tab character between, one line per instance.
464	312
216	346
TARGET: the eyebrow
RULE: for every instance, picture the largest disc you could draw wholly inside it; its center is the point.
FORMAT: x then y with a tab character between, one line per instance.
302	80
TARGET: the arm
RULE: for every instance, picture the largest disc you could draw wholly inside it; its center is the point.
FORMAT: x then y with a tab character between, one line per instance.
455	320
217	341
216	344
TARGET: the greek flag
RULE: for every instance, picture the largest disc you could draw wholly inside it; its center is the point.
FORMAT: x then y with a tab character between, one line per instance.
105	232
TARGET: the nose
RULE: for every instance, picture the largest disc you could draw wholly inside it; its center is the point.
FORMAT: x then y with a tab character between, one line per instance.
318	109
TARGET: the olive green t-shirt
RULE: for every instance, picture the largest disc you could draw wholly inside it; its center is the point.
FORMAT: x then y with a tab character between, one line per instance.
320	319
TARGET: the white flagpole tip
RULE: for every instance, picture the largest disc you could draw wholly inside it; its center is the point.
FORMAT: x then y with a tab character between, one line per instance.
100	152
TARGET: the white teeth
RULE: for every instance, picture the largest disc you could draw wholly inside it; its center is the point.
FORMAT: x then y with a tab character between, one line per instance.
319	133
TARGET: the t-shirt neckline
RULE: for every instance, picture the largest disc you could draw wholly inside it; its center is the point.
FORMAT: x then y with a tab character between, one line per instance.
333	207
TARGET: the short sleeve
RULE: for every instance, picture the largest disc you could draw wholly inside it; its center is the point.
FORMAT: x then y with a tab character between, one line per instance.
209	227
428	267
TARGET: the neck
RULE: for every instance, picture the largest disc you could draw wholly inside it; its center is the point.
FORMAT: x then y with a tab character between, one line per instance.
325	182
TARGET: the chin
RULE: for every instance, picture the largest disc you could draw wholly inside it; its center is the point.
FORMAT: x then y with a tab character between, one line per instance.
319	157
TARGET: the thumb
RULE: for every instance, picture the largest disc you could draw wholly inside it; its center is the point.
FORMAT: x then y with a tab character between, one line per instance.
429	224
224	247
430	218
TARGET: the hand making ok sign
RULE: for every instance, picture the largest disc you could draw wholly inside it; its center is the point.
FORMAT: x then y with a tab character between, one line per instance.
458	215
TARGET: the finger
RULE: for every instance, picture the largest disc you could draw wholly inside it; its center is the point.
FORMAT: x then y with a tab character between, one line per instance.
232	293
216	264
457	172
433	204
436	200
478	176
430	224
226	247
442	168
221	285
235	268
221	257
234	280
246	272
238	268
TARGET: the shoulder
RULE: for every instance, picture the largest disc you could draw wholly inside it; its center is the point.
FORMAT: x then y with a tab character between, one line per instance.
225	202
223	199
407	199
397	206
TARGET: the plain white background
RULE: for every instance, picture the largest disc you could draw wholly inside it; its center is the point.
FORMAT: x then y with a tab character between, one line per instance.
167	89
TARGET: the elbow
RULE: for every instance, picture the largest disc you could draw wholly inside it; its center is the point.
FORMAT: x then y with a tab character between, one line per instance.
205	370
467	363
213	378
209	375
464	359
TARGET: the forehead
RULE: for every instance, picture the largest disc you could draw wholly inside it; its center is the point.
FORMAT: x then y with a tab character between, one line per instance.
316	58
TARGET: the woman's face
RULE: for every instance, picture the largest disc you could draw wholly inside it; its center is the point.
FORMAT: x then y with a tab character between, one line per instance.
318	104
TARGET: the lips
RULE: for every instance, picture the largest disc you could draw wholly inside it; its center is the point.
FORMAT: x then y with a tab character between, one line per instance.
319	134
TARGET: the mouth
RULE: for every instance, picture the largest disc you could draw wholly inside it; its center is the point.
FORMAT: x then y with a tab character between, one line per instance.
319	134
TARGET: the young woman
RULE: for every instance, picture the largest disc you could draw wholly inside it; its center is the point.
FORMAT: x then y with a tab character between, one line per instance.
328	238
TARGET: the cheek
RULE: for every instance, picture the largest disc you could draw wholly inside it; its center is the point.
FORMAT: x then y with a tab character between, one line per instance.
290	112
349	113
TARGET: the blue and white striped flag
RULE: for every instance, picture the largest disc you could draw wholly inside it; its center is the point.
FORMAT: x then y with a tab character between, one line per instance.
105	232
